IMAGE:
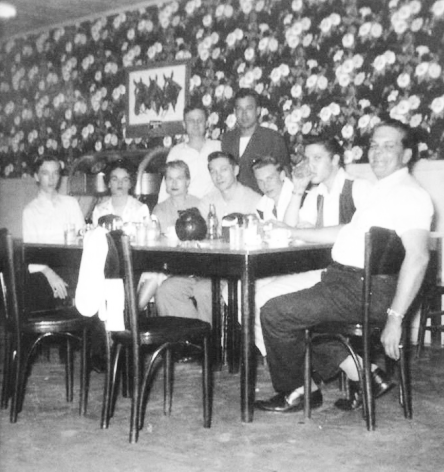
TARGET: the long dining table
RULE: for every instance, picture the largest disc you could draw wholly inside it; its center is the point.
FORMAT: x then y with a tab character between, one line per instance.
217	260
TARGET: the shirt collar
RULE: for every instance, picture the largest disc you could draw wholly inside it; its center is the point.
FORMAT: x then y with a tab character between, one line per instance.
287	188
338	184
44	200
393	178
267	203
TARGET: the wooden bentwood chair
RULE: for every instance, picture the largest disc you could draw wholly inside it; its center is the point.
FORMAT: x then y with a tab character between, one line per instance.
384	254
431	307
159	333
26	330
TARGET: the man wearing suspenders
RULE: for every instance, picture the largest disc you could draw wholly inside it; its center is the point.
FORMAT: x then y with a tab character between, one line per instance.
332	198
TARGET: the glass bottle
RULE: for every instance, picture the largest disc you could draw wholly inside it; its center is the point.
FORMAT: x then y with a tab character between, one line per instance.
251	230
152	229
212	223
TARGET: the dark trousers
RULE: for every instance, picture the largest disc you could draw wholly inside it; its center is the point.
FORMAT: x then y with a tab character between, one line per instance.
39	294
338	297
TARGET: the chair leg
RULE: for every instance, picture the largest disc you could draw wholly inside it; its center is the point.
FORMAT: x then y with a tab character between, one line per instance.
126	374
69	371
167	382
16	373
307	375
422	327
206	383
369	399
7	375
149	370
405	394
84	372
24	368
135	398
104	424
117	359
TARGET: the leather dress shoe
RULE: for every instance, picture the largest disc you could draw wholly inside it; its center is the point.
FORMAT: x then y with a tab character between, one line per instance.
381	384
280	404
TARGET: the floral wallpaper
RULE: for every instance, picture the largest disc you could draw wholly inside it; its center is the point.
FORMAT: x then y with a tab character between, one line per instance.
320	65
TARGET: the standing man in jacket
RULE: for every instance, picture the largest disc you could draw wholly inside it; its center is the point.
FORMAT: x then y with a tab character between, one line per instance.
249	140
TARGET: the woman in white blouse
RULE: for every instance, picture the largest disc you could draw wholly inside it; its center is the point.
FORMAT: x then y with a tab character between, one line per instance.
120	179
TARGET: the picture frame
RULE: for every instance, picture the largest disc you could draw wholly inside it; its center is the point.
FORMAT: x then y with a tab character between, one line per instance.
156	97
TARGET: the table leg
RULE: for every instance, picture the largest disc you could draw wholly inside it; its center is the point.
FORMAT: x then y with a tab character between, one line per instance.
248	361
217	324
233	332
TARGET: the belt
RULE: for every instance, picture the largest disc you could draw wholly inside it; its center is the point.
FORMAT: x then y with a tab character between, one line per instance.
346	268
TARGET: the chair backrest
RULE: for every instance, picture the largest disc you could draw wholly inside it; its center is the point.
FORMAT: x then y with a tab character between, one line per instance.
8	279
384	252
124	252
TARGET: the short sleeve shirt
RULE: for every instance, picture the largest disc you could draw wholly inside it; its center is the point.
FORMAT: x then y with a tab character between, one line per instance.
396	202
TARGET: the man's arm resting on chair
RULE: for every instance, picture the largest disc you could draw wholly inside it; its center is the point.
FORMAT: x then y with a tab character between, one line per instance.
57	284
416	245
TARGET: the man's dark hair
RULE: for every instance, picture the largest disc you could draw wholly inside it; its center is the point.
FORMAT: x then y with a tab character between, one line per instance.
46	158
194	106
120	164
248	92
225	155
178	164
263	161
331	145
409	138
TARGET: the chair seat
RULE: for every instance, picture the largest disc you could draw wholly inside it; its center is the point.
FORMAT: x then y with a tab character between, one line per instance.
162	329
64	319
346	329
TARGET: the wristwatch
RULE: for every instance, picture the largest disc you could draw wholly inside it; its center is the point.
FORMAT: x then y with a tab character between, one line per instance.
394	313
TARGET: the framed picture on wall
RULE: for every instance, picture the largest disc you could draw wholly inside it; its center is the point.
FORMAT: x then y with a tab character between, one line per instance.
156	97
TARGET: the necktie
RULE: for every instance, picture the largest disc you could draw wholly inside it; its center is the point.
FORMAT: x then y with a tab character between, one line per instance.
320	216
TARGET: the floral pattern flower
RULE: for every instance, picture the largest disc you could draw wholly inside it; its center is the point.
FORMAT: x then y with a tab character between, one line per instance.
329	66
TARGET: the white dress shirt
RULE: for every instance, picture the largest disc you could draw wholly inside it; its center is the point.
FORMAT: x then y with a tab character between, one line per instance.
266	204
45	220
309	211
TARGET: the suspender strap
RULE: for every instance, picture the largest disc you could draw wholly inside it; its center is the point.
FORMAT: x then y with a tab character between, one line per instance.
346	204
320	209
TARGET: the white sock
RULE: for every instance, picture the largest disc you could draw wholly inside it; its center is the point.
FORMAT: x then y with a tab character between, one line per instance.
349	367
300	391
